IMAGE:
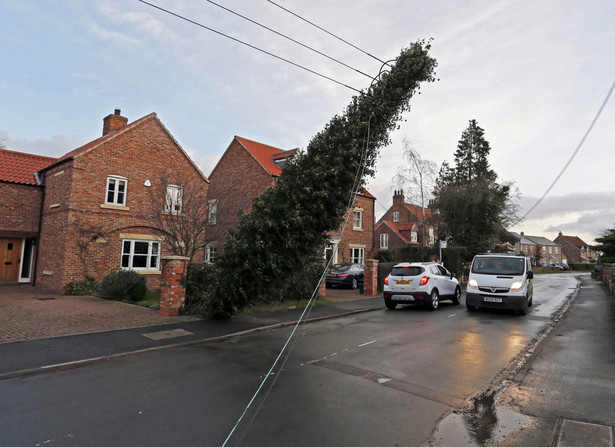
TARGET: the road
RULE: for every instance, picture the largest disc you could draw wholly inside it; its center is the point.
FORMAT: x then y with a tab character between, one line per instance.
379	378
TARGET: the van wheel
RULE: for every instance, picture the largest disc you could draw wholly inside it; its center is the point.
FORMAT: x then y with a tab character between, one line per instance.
471	308
435	300
457	296
524	309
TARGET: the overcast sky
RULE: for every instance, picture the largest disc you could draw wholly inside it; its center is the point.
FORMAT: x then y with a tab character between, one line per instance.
532	73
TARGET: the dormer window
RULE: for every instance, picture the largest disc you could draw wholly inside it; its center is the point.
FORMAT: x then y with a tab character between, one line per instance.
395	216
116	190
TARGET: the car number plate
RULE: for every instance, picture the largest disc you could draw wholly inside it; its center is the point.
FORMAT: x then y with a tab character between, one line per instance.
403	282
492	300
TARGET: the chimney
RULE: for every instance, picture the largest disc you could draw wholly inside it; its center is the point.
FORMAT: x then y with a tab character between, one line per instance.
113	122
398	197
522	234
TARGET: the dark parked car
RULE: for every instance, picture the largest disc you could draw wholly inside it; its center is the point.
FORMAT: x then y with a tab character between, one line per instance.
349	275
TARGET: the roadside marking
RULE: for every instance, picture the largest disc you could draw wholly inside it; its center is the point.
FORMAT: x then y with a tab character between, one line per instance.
368	343
452	315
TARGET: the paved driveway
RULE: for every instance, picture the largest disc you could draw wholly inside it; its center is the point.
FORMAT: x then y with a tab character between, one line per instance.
28	313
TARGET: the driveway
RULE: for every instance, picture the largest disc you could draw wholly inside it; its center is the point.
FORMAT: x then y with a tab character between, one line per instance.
28	313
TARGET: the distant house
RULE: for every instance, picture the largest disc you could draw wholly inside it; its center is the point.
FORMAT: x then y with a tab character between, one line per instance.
550	251
245	170
404	224
575	250
91	209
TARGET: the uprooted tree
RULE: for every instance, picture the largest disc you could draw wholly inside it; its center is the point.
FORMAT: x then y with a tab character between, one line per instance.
288	224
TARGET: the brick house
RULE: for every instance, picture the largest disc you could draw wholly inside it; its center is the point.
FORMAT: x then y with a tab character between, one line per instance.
245	170
20	209
97	212
550	251
404	224
575	250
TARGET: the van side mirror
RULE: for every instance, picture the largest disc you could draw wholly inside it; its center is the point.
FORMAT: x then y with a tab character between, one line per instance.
466	271
530	274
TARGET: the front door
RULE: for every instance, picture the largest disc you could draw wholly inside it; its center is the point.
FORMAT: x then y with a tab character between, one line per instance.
10	257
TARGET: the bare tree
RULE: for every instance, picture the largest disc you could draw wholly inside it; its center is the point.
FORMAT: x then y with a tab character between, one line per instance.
417	180
180	213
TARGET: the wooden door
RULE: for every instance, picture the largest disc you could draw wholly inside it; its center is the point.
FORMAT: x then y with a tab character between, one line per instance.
10	257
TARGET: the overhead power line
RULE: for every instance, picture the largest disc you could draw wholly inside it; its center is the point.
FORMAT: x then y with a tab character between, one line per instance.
328	32
576	151
288	38
248	45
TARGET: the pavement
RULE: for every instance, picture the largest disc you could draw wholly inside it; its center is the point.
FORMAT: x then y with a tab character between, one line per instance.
566	388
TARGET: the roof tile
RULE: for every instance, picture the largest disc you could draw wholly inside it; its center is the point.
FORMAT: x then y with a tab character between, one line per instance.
19	167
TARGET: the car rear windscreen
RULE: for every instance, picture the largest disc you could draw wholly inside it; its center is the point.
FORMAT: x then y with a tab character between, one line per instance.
498	265
407	271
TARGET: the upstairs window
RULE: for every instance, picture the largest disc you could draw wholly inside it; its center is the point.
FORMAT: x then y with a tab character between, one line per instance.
432	237
213	211
173	202
395	216
116	190
210	254
357	219
414	237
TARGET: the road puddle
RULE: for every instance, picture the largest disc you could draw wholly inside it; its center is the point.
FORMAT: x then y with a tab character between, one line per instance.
485	424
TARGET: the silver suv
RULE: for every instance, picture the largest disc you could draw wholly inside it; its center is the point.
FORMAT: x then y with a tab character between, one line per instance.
420	282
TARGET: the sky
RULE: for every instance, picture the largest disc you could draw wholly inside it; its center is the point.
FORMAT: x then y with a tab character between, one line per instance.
532	73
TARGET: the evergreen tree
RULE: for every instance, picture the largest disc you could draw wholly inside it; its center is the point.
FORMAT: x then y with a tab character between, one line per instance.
472	206
606	244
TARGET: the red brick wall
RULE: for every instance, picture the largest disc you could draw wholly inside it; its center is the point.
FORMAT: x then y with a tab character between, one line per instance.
145	152
235	182
19	207
351	236
395	242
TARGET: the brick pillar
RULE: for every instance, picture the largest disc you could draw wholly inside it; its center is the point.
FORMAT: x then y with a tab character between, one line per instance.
370	282
173	293
322	290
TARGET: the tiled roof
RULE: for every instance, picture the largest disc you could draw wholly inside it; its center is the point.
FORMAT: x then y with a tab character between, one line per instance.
393	226
92	144
417	210
19	167
575	240
364	192
539	240
264	154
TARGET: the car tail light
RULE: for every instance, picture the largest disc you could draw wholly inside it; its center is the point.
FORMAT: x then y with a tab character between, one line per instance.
424	280
342	275
386	280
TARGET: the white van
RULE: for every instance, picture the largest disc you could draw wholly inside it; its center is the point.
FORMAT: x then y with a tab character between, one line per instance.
501	281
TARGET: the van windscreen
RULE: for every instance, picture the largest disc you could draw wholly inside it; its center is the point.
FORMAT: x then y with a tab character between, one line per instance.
498	265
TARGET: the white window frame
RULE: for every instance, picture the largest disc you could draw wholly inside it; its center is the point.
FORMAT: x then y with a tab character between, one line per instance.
395	216
357	255
115	200
212	211
357	219
153	252
384	241
210	253
432	236
414	235
173	202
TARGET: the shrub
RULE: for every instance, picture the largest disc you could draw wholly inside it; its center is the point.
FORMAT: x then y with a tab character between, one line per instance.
87	287
124	285
581	266
198	278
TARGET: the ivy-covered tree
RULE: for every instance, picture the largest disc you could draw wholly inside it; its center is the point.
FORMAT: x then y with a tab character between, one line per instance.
288	224
473	208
